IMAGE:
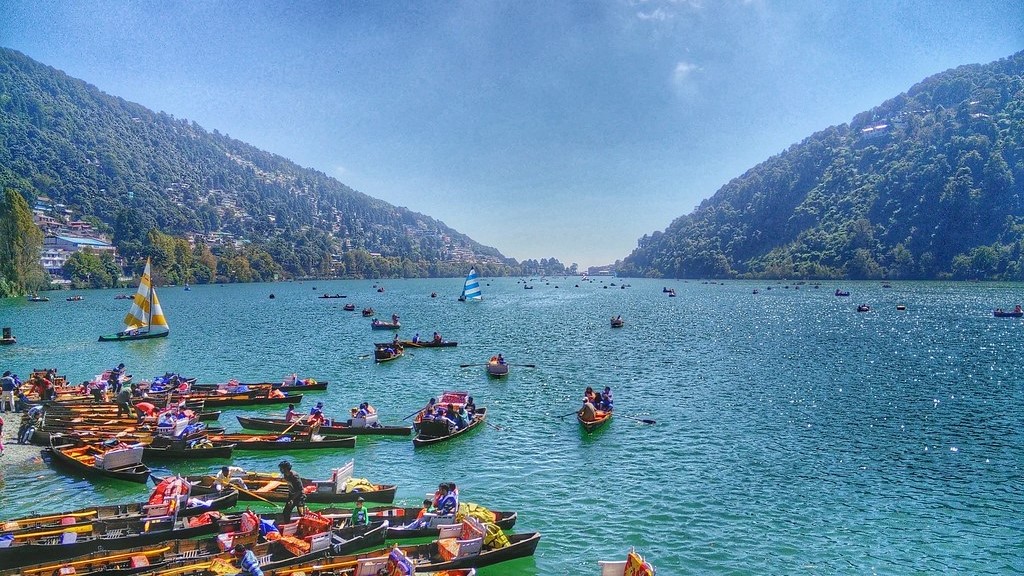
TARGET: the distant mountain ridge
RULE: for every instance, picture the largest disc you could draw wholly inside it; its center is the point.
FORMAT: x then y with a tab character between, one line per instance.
930	184
134	170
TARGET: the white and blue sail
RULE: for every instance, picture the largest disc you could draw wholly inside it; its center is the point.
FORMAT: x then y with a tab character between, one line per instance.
471	290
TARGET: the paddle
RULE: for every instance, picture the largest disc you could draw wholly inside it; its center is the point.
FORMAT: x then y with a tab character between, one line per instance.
254	495
569	414
524	365
468	365
496	427
418	410
644	420
294	424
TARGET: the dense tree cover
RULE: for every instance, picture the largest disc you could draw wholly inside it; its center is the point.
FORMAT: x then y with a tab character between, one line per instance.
136	171
928	185
20	243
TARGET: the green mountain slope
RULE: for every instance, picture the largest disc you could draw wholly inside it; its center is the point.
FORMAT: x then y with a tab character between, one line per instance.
928	185
135	170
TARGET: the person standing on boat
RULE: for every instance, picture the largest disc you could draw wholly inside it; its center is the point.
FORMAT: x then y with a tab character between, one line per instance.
296	496
248	564
123	398
114	382
416	338
360	516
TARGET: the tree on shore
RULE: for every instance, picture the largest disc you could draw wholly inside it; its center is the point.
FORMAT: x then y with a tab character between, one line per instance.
20	246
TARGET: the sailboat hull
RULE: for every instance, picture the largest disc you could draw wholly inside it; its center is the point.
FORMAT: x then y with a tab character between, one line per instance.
119	337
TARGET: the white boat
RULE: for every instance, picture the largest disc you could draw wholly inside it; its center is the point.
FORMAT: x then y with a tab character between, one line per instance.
145	319
633	565
471	290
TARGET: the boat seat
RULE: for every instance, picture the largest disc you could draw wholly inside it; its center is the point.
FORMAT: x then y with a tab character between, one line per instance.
115	533
269	486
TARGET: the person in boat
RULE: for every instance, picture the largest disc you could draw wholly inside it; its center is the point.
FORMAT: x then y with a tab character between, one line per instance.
416	338
451	415
428	410
275	393
144	410
606	399
229	476
316	419
437	338
423	516
1017	309
588	412
501	359
394	318
590	395
470	406
395	342
114	382
447	499
123	400
290	415
319	408
461	417
248	564
296	497
360	516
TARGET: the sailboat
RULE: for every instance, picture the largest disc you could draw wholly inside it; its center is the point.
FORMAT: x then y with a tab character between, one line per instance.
146	318
471	290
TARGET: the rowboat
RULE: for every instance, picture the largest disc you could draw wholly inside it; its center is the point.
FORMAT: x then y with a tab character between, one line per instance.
387	352
358	426
1000	313
368	312
115	534
601	418
633	565
190	507
163	447
383	561
213	399
429	432
242	441
458	548
428	344
340	488
333	296
123	462
288	385
618	322
350	307
398	518
496	368
381	325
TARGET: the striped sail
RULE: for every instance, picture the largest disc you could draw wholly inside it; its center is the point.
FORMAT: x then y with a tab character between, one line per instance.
145	311
472	289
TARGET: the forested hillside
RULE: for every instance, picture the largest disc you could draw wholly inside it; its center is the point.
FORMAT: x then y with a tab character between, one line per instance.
928	185
133	172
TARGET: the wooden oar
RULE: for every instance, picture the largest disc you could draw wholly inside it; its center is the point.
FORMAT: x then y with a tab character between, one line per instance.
644	420
413	414
468	365
294	424
115	557
254	495
43	519
495	426
569	414
524	365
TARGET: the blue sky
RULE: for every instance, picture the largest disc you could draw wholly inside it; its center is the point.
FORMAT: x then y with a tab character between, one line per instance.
563	129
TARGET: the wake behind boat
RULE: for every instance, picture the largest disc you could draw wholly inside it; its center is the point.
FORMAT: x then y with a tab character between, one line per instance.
145	319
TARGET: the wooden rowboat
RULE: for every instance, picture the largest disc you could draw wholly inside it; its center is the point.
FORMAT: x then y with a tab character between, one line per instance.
94	460
359	427
161	447
307	385
428	344
387	352
115	534
429	432
601	418
242	441
382	325
496	369
272	487
138	510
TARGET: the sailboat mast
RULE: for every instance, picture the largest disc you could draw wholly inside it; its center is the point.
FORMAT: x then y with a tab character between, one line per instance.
149	314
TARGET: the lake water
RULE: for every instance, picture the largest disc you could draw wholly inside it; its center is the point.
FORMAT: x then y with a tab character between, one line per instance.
793	434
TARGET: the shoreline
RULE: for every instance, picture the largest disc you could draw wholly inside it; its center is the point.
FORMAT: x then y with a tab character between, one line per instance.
16	454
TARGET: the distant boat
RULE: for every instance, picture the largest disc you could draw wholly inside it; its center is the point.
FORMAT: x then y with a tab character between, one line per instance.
145	319
75	298
187	288
841	293
471	289
38	298
617	322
